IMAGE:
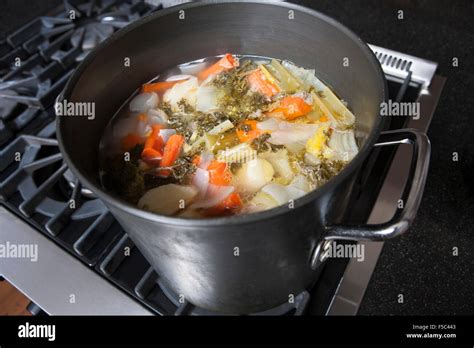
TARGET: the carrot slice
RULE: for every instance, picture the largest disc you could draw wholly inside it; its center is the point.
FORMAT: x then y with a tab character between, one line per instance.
247	131
159	87
151	155
225	63
171	153
153	145
219	173
291	107
232	202
259	83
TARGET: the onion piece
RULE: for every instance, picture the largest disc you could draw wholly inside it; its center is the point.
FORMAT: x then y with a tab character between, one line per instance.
262	201
206	158
269	124
166	133
207	99
215	195
301	182
253	175
157	116
280	162
182	90
144	102
201	181
343	145
288	133
282	194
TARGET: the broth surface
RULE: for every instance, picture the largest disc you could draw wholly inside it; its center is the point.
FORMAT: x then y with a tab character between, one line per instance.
226	135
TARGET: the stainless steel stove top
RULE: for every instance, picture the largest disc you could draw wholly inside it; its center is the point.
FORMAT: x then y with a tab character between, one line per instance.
81	266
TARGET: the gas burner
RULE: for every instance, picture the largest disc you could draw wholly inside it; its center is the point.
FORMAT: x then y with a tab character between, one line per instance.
33	166
37	60
33	179
86	24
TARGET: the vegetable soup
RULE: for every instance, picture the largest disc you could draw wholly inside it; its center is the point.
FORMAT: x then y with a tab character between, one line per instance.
226	135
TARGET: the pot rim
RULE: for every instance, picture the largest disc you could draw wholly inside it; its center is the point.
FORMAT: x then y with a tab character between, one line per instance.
110	199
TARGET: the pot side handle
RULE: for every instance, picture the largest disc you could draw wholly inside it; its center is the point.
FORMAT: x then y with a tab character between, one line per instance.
411	196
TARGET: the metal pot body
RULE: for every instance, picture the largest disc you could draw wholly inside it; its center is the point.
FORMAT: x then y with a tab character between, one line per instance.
236	268
239	264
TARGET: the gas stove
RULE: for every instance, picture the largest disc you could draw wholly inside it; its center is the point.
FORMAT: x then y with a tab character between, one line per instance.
83	253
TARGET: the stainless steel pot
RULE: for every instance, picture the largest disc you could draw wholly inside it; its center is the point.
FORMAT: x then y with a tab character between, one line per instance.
246	263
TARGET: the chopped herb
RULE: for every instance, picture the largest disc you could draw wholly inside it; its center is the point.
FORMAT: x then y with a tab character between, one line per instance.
238	101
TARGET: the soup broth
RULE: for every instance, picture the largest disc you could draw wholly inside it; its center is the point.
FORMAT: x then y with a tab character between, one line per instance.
226	135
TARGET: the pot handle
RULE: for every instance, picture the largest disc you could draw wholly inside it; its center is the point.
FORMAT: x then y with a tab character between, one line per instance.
411	196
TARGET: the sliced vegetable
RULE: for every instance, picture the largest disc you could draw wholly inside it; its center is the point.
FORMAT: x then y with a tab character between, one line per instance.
144	102
318	142
152	151
160	87
283	77
225	63
219	173
248	131
281	163
262	201
293	135
291	107
171	152
301	182
341	114
343	146
201	181
282	194
167	199
253	175
182	91
204	160
166	133
259	83
215	195
221	128
157	116
232	202
207	99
